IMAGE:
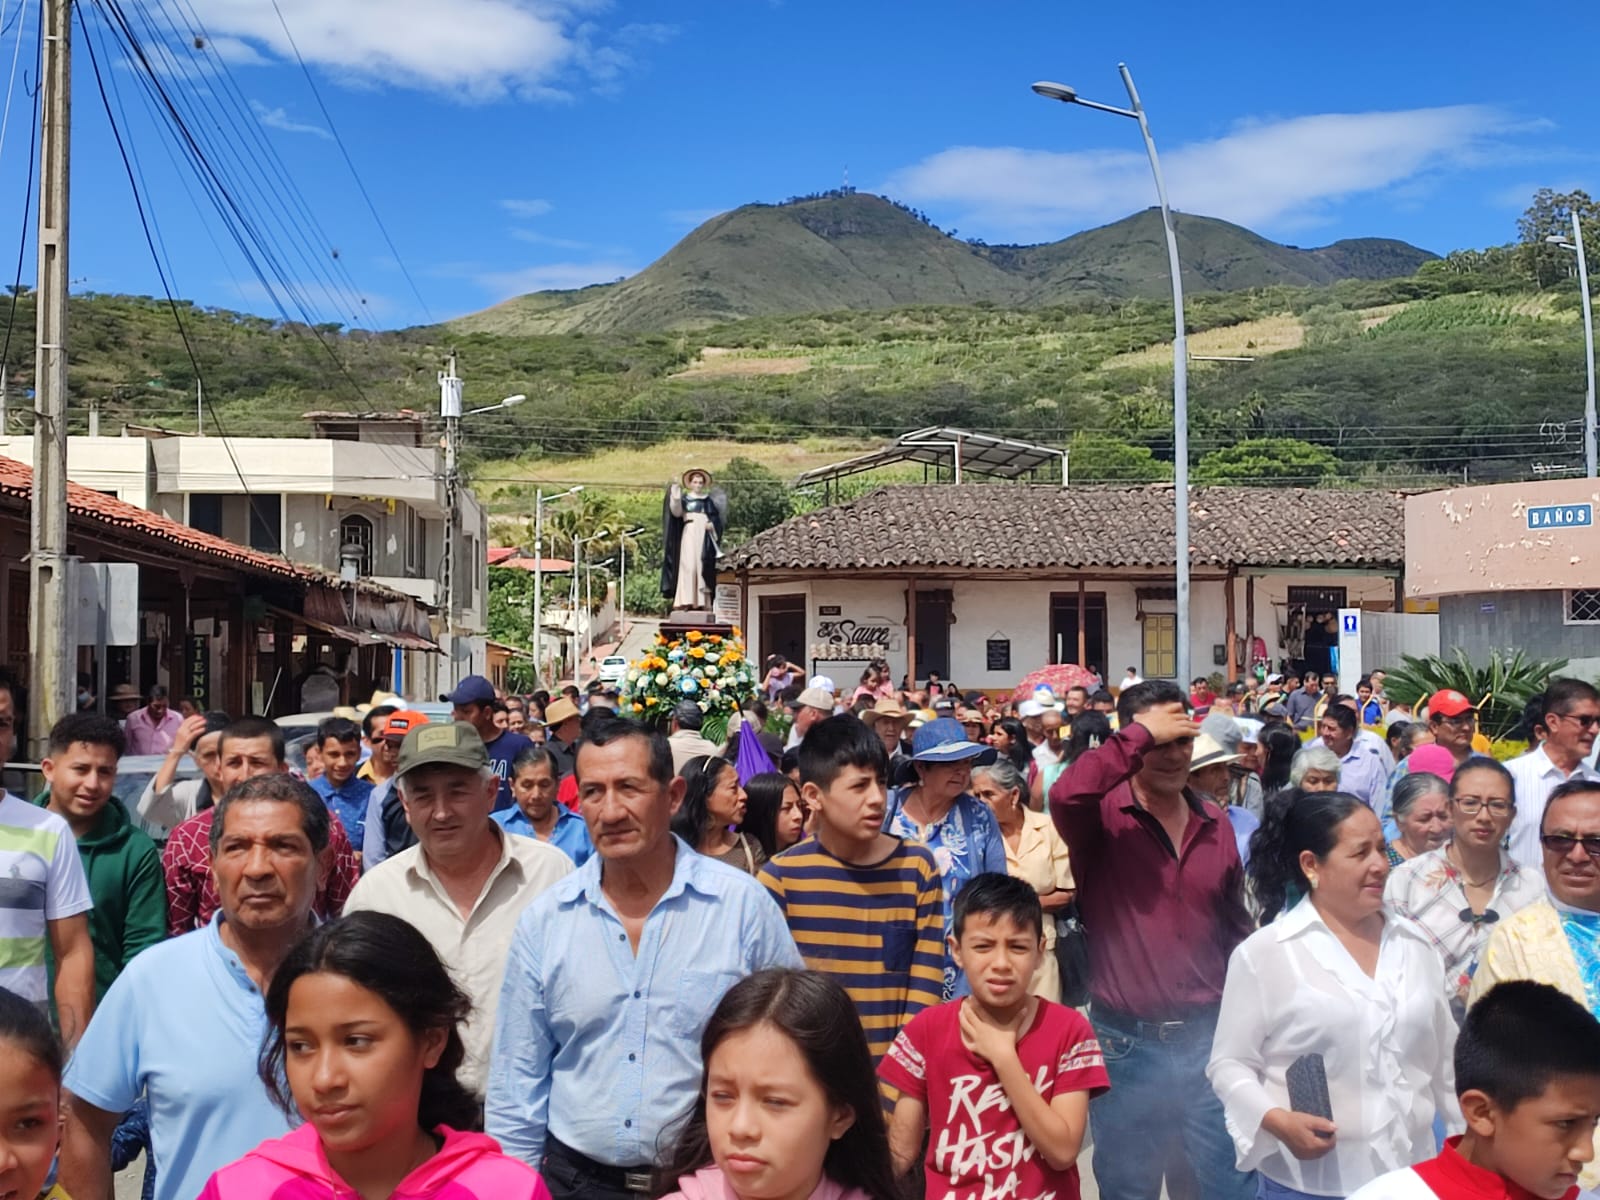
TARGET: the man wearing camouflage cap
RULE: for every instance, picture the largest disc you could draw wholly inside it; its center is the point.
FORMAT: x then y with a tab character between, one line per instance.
466	881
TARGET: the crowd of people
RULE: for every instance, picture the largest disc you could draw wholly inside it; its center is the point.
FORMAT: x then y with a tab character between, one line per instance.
884	941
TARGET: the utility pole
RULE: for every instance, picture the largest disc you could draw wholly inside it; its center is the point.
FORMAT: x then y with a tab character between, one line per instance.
200	407
50	682
450	410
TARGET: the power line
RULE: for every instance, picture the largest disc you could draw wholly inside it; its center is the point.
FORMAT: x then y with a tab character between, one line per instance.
27	214
350	162
150	241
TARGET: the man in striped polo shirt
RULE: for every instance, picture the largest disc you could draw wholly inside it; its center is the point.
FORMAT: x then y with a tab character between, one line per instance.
44	901
864	906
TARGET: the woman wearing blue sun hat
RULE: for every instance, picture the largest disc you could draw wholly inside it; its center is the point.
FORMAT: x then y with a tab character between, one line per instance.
940	811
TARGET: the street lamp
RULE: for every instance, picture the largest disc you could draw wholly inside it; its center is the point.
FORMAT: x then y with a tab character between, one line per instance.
450	392
539	501
622	584
1576	246
1180	352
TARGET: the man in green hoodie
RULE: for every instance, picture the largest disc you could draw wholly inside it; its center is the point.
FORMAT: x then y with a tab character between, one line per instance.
122	864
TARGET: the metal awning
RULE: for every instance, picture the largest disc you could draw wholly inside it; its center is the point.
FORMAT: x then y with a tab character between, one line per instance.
959	450
360	637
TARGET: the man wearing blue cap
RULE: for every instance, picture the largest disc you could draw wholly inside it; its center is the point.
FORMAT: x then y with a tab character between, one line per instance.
940	811
474	703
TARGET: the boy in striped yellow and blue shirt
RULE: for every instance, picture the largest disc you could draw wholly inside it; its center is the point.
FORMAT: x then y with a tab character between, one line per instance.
864	907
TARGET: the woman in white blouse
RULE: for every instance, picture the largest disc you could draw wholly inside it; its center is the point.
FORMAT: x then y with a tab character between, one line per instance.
1334	977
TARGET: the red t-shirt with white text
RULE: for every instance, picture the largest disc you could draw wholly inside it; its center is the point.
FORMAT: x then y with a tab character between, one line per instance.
976	1146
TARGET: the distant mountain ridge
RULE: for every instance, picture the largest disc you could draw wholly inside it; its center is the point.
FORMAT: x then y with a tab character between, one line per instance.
851	251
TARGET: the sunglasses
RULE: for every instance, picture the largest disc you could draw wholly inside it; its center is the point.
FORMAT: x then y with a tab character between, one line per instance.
1562	844
1587	720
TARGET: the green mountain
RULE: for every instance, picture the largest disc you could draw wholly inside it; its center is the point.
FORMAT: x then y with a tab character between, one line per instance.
852	252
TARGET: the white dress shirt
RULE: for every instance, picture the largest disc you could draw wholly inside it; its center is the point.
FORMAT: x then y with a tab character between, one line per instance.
1536	777
1386	1042
473	946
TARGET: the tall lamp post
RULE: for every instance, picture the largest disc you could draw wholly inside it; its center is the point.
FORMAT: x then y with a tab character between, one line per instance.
588	583
1180	354
539	501
450	393
1576	246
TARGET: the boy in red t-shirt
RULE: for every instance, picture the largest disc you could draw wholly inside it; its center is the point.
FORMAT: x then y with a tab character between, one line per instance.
1001	1080
1528	1075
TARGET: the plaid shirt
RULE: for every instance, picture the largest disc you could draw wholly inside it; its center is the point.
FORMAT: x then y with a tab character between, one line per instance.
192	891
1428	890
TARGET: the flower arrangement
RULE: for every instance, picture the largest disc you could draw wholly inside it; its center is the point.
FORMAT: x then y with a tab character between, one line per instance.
709	669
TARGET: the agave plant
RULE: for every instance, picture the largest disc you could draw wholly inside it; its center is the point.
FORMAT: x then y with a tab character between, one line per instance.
1500	687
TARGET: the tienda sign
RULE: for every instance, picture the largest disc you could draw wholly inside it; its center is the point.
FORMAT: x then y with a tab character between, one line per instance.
1560	516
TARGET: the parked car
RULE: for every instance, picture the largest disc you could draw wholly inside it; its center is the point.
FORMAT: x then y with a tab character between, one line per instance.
613	668
134	773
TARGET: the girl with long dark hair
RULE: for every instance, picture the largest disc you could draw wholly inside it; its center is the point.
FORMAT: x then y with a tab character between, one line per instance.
788	1104
774	814
1279	745
364	1043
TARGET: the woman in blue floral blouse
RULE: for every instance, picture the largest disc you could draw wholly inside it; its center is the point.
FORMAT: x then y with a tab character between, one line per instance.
940	811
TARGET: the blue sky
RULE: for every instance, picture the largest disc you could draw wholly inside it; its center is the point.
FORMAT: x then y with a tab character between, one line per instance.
512	145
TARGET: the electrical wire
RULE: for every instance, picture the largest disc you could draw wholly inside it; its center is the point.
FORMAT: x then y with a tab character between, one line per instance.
350	162
27	214
11	84
172	303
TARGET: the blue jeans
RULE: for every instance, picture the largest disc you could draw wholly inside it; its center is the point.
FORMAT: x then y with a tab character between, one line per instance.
1159	1092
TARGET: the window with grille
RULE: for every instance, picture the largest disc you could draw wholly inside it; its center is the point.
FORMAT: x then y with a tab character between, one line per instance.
1583	606
355	542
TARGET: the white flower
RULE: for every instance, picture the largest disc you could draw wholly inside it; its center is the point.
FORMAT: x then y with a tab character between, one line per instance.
661	678
633	677
711	672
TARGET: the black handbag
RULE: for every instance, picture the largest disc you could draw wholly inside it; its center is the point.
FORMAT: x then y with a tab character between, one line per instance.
1072	956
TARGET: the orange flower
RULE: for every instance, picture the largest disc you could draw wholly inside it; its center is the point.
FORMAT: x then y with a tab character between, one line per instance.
698	652
695	635
648	700
638	708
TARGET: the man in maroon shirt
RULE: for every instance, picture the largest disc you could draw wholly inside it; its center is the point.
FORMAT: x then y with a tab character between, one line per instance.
1161	891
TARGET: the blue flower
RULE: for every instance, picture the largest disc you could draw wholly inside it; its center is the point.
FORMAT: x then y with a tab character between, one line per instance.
689	686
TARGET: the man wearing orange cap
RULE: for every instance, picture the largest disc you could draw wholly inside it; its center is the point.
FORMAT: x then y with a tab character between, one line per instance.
386	832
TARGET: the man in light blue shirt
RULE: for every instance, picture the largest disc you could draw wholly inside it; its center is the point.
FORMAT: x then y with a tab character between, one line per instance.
1363	771
612	975
185	1019
535	776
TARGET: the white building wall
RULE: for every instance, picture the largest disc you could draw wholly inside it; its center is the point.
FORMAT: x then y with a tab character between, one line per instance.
1019	611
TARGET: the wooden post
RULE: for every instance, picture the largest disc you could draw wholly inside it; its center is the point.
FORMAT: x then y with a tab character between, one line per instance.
911	633
1083	622
1250	610
1232	624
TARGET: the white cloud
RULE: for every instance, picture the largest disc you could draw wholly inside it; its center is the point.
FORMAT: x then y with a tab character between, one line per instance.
527	208
278	118
544	239
471	50
1264	174
550	277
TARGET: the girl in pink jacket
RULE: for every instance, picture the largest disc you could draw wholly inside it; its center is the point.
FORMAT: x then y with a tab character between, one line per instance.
788	1104
364	1045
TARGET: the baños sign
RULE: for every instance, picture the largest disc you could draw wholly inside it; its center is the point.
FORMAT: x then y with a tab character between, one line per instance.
1560	516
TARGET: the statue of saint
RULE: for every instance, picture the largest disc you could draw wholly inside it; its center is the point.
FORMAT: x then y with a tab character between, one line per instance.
693	519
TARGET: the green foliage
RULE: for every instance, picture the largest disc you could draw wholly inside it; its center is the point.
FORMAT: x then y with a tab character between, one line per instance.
1266	461
758	499
1103	459
510	617
1500	688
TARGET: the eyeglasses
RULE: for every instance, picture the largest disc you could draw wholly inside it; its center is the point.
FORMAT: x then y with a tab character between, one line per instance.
1487	917
1562	844
1462	720
1587	720
1471	806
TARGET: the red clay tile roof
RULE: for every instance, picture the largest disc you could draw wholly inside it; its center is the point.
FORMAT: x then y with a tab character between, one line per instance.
16	479
1011	526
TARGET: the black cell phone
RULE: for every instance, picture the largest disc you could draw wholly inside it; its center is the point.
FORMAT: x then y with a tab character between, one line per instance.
1308	1087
